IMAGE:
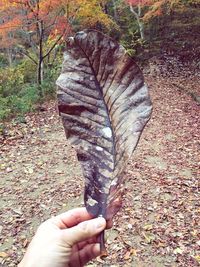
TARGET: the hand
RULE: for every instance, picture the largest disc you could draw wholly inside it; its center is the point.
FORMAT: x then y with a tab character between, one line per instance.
67	240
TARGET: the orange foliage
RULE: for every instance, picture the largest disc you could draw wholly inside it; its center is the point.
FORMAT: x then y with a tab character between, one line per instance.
140	2
54	16
38	26
26	14
155	7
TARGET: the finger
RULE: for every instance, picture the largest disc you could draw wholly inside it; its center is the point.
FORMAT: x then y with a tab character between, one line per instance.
85	255
82	244
71	218
83	231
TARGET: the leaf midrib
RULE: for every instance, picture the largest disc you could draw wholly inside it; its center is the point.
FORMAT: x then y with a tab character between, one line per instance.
105	105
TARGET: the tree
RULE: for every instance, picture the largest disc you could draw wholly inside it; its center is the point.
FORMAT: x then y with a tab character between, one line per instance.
38	26
143	10
31	23
136	9
7	42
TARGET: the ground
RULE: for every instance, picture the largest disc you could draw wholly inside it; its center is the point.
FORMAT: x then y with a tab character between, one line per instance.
159	223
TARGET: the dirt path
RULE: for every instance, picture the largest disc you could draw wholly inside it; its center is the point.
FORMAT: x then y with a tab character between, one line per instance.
160	219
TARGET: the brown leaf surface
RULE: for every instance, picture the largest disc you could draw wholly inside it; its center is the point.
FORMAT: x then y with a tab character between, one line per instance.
104	105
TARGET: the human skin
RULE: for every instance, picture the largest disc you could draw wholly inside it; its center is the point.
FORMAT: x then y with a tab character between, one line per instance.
67	240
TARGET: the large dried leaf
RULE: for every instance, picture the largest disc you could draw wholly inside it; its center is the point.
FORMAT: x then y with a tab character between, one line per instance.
104	105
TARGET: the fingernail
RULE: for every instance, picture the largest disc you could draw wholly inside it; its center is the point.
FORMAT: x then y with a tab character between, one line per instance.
100	223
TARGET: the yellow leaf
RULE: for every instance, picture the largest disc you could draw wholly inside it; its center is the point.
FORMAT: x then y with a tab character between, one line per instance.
197	258
127	255
194	232
178	251
134	252
148	227
149	238
3	166
3	254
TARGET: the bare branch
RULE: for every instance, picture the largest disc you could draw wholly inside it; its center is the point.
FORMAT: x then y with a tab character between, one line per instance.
27	55
133	11
53	46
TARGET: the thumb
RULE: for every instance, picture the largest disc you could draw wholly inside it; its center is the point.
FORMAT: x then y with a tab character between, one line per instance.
84	230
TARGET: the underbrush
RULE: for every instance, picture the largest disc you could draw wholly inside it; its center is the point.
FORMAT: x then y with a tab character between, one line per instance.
20	103
19	92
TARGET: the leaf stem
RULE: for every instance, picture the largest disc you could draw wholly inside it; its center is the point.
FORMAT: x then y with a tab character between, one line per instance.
102	244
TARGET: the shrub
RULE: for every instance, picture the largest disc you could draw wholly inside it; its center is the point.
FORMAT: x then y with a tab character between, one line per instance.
19	104
25	101
28	68
19	92
4	109
11	81
3	61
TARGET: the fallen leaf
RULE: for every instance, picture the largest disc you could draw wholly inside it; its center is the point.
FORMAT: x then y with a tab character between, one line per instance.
149	238
178	251
3	254
148	227
18	211
127	255
134	252
25	243
197	258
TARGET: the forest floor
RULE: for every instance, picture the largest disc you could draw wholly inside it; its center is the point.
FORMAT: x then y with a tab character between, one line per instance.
159	223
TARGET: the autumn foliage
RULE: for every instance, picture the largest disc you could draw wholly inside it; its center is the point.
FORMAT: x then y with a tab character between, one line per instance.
33	37
38	26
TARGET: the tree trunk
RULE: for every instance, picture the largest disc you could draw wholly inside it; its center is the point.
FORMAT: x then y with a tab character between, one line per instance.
40	72
115	10
141	28
139	21
10	56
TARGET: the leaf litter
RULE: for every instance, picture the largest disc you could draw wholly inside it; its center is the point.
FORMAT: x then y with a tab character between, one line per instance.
159	223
